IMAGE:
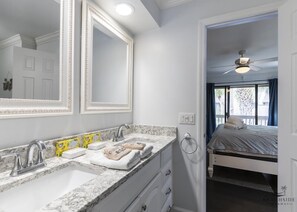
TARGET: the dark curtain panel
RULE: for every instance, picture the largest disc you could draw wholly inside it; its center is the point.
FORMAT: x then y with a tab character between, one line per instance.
210	111
273	100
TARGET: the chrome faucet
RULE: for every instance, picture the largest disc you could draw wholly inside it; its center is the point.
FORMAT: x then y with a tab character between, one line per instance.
119	135
30	164
40	157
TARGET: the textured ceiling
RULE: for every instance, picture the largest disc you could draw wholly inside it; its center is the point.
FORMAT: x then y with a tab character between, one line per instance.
20	17
259	39
146	15
164	4
31	18
140	21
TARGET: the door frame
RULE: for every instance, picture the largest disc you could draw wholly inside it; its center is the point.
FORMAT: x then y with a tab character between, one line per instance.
228	19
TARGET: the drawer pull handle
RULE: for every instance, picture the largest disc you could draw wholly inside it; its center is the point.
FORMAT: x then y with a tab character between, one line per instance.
168	191
168	172
143	207
169	208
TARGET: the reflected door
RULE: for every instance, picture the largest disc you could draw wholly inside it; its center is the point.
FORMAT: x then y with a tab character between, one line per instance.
35	75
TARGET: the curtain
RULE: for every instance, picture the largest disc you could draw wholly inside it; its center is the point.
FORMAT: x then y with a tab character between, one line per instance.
210	111
273	101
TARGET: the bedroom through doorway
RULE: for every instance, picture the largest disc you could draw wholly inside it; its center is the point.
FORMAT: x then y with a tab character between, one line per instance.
242	115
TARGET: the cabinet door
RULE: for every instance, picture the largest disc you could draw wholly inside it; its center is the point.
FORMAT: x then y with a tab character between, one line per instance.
135	206
150	198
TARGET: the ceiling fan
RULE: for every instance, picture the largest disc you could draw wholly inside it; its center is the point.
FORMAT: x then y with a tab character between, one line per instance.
244	64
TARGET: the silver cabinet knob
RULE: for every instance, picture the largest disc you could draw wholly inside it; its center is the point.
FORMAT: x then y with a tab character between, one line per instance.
169	208
168	191
168	172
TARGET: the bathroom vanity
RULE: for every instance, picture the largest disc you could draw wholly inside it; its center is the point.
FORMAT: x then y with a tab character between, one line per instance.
148	190
146	187
76	184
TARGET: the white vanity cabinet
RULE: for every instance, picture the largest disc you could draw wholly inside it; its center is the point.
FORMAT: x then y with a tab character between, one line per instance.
166	173
145	191
135	206
150	198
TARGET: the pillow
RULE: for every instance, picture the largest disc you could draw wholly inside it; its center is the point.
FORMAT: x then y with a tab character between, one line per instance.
235	120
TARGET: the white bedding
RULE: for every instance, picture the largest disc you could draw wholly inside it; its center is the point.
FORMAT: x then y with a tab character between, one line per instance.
260	141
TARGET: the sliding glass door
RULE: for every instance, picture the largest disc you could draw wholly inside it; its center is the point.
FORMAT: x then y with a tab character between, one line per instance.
242	103
249	102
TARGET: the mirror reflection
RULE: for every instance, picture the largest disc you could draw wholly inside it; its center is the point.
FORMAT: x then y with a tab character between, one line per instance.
29	49
109	67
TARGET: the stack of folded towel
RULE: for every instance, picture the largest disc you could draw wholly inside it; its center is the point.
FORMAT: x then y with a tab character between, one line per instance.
234	122
145	150
116	158
122	157
115	153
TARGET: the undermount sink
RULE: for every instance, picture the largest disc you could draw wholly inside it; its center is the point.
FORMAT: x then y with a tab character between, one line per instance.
135	140
37	193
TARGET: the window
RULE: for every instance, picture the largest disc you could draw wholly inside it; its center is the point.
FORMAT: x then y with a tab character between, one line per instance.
220	105
249	102
242	103
263	104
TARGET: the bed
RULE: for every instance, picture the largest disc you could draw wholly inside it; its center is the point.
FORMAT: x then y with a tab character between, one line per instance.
253	149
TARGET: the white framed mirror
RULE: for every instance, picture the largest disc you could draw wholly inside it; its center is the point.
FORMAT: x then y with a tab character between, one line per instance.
36	49
107	60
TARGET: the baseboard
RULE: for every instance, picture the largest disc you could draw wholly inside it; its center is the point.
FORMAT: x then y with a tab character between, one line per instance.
178	209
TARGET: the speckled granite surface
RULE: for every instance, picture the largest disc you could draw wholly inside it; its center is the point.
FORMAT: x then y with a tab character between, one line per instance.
107	180
106	134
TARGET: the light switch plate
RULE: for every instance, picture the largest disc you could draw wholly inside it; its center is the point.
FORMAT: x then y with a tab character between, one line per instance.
186	118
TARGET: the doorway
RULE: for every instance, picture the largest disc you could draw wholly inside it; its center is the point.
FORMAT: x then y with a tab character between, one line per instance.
240	17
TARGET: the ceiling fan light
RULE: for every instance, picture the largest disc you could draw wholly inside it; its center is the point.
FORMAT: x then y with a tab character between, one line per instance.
242	69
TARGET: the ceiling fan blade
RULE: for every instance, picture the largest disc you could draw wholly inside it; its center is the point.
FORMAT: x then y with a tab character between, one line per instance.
255	68
267	60
227	66
226	72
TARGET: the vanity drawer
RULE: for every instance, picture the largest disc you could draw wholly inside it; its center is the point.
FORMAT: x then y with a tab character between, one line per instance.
124	195
166	171
166	190
135	206
168	204
166	155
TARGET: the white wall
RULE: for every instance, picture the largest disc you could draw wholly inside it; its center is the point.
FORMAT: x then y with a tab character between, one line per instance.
165	73
21	131
52	46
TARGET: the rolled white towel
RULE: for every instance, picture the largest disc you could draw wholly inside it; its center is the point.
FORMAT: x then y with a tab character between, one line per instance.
125	163
147	150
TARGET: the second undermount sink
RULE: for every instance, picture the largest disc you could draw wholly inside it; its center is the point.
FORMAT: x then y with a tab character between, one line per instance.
35	194
135	140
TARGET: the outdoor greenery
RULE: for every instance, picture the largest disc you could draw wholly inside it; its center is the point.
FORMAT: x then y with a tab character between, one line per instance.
246	99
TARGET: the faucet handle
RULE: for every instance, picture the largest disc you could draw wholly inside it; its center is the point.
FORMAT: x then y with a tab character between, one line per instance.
127	126
40	157
17	163
42	145
114	137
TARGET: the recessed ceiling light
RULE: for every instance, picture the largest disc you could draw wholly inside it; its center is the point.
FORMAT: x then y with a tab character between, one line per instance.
124	9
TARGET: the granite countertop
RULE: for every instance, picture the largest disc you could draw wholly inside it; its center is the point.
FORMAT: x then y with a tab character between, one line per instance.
93	191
